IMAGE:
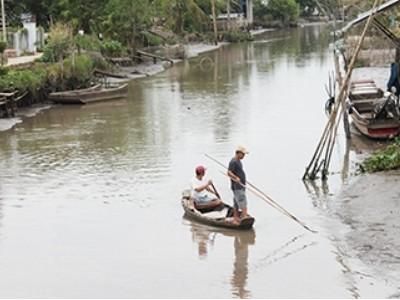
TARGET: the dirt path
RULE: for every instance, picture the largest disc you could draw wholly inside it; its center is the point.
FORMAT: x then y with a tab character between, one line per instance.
23	59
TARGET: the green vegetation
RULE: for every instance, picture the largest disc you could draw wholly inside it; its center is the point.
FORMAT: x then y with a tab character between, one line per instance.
23	80
237	36
113	48
77	72
286	11
88	42
3	46
60	43
386	159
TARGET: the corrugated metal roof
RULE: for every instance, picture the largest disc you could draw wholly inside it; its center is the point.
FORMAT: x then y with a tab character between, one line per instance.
365	15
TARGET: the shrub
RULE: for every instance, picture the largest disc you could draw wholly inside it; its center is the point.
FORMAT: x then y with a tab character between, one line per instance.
151	39
59	43
22	80
76	73
237	36
386	159
112	48
88	42
3	46
3	71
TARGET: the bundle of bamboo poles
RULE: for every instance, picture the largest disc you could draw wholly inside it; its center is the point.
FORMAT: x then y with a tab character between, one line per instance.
322	156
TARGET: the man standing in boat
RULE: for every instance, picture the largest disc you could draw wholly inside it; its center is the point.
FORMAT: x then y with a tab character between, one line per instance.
203	191
238	184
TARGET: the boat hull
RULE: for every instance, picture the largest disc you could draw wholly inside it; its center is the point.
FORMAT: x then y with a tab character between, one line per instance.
363	97
376	129
221	218
85	96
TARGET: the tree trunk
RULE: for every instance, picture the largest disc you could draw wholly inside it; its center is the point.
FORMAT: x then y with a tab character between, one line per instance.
61	59
214	22
228	10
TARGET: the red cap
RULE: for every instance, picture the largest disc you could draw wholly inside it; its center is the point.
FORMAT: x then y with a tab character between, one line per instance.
200	170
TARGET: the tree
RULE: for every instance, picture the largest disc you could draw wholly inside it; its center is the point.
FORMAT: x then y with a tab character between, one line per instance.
307	7
125	20
83	15
286	11
181	15
260	9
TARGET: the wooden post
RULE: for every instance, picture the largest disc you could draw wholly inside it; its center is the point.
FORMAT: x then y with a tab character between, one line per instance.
214	22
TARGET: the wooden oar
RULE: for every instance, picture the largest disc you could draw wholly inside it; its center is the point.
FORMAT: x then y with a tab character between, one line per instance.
215	190
263	196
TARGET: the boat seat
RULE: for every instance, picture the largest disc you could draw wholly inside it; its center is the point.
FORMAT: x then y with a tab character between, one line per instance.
217	214
209	209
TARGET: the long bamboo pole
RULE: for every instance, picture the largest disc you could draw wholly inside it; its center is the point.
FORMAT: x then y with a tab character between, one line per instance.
330	130
343	90
263	196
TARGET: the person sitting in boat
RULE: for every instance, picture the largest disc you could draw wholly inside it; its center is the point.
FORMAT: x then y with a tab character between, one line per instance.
202	190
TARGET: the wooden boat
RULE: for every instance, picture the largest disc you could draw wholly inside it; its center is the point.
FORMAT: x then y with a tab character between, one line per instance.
93	94
368	110
221	216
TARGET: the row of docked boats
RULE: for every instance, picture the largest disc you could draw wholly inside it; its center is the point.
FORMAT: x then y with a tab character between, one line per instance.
374	113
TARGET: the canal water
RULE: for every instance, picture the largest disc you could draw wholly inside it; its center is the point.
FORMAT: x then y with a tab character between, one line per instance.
90	195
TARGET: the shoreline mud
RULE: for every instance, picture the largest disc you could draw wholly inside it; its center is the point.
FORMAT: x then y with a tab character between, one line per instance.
369	208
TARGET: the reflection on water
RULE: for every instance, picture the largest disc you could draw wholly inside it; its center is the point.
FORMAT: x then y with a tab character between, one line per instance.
205	238
240	267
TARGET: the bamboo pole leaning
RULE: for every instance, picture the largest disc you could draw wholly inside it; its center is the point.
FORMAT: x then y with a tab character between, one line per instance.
328	138
260	194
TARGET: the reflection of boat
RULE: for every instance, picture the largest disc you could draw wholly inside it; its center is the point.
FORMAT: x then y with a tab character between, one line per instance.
89	95
205	238
374	115
221	216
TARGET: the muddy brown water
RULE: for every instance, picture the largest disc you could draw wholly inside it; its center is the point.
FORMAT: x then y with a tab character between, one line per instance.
90	195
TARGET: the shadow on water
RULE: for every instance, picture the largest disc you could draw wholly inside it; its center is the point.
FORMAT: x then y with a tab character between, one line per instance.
205	238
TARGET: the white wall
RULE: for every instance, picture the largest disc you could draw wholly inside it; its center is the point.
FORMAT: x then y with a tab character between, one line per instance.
31	27
28	42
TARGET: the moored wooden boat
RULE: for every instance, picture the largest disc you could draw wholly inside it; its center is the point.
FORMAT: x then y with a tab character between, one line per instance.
221	216
369	113
93	94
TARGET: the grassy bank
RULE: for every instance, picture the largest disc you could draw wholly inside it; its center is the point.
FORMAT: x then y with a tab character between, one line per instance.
382	160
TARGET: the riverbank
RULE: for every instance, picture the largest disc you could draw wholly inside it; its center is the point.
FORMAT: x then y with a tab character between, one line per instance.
149	68
144	69
369	207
